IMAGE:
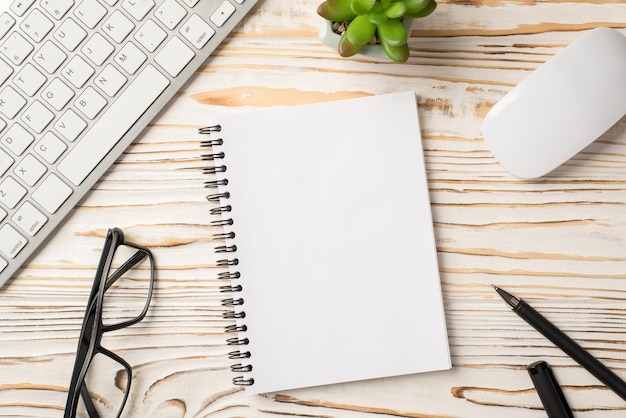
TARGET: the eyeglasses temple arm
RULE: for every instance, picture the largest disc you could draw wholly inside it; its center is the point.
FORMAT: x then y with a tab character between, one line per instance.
89	406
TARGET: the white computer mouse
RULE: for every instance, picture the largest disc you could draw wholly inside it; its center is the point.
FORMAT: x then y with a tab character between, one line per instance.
562	107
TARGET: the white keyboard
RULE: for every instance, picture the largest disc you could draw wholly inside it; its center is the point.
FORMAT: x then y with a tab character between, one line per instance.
79	80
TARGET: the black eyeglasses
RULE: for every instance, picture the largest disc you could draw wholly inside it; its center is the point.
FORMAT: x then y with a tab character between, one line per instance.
113	304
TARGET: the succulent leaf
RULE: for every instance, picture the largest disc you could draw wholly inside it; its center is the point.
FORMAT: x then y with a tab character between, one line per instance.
392	32
399	53
339	3
346	48
336	10
377	17
425	11
414	6
361	7
360	30
396	10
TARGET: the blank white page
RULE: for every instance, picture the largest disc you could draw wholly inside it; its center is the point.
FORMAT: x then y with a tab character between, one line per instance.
335	242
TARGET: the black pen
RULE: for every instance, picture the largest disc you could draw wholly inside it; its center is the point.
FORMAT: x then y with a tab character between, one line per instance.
565	343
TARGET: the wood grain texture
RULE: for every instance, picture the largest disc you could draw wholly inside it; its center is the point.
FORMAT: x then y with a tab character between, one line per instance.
558	241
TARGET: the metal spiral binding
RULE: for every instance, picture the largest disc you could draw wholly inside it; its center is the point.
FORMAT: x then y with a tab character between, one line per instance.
229	250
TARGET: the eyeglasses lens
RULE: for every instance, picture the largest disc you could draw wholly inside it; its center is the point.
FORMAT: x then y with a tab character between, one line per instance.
126	299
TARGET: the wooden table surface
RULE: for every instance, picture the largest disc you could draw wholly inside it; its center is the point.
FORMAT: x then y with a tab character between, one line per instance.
558	241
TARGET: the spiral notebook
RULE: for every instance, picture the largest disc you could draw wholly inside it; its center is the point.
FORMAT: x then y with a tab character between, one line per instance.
329	243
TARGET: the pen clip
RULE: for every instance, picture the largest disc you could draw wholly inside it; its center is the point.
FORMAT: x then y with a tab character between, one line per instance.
549	391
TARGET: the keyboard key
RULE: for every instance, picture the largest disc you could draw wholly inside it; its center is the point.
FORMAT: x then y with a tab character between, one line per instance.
16	48
52	193
223	12
77	71
130	58
36	25
5	162
118	26
29	79
113	124
57	94
50	148
11	102
11	241
3	262
29	219
170	13
11	192
5	71
17	139
150	35
70	125
90	13
174	56
50	57
6	23
138	8
110	80
70	34
57	8
19	7
97	49
37	116
197	31
90	103
191	3
29	170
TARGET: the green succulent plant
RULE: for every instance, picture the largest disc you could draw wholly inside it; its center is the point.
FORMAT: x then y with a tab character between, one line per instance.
380	18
